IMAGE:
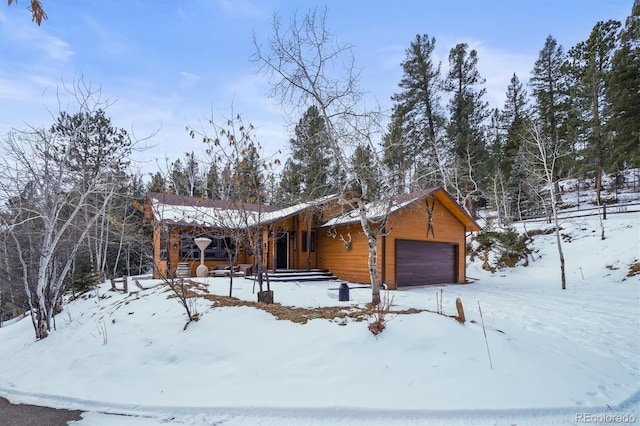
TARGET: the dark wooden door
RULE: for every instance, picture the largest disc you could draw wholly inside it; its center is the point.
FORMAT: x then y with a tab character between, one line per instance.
282	250
419	263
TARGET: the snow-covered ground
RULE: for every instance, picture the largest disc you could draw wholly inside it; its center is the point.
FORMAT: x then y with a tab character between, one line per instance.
556	357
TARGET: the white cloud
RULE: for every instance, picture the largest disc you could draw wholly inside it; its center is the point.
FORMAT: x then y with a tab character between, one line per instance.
188	79
35	38
497	67
15	89
107	42
56	48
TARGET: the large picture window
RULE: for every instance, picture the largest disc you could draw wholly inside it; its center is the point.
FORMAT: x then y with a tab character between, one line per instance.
219	248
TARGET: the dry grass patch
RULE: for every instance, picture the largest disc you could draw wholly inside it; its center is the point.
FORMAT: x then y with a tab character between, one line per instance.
296	314
634	269
293	313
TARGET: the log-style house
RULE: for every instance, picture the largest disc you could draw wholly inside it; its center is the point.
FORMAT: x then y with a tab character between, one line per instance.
424	242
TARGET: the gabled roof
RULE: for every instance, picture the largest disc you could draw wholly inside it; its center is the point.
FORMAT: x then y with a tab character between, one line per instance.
182	210
192	211
376	210
184	200
287	212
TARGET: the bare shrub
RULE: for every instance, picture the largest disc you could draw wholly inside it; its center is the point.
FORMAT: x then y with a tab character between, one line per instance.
379	314
182	290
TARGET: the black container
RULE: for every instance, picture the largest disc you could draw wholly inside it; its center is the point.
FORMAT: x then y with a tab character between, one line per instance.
343	293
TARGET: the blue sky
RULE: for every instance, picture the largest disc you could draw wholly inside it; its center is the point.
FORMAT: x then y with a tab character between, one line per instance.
169	63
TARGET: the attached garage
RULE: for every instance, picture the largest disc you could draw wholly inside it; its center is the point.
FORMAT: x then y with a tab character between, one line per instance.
420	262
424	242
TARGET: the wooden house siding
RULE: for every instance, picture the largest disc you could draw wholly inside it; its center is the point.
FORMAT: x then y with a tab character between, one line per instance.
347	264
409	223
295	226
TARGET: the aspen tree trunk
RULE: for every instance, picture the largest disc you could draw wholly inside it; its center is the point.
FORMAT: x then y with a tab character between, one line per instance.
372	261
558	241
547	159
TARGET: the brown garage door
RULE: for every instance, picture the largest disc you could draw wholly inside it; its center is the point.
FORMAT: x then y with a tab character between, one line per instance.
419	262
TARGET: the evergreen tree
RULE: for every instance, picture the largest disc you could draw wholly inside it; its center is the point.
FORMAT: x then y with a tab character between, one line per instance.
307	173
591	64
514	119
395	155
550	101
177	178
84	142
623	93
573	122
496	137
522	186
212	183
128	251
158	183
290	182
362	160
496	178
95	141
466	124
545	82
248	180
416	136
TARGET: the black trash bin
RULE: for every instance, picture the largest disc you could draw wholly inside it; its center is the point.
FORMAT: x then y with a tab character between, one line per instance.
343	293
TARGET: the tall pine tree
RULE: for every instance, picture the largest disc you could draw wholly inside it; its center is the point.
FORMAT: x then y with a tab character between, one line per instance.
466	127
545	81
550	101
593	63
362	160
514	118
623	93
307	174
415	140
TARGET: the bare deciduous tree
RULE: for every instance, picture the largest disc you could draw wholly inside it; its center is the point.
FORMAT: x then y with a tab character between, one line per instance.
308	66
233	147
547	152
47	213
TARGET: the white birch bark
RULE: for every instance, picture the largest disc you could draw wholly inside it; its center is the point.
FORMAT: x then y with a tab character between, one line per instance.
302	59
547	156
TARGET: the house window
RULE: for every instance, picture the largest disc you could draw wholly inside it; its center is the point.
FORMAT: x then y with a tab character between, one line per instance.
218	249
313	241
164	244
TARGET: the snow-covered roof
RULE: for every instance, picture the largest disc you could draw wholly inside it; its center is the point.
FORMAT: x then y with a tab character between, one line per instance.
190	211
295	209
377	210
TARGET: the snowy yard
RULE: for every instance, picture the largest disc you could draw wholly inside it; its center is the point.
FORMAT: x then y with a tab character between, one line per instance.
558	356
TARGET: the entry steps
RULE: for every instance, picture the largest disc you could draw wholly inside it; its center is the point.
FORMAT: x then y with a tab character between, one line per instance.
301	275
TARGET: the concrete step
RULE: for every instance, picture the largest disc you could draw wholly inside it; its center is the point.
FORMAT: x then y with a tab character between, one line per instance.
301	275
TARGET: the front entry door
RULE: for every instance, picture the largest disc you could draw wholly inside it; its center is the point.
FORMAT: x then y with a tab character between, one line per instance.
282	250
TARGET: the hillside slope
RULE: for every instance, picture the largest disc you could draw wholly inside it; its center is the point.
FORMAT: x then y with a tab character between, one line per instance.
554	354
